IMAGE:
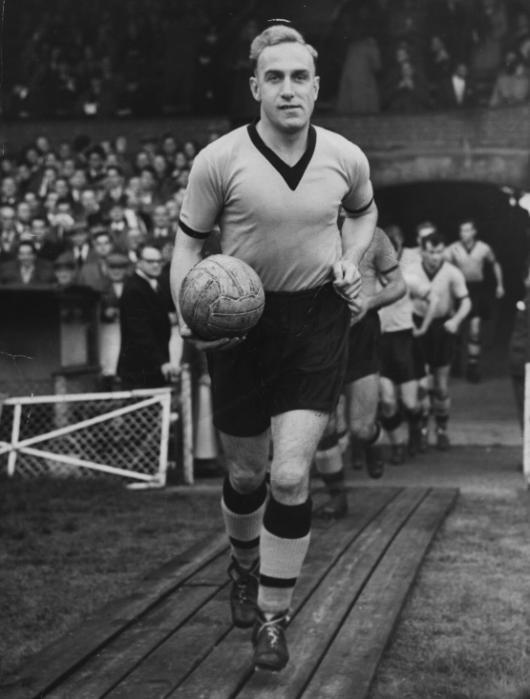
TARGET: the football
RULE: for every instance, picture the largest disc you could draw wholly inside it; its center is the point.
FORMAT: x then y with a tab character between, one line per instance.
221	296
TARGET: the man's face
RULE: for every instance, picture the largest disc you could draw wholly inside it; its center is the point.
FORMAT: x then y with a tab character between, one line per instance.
7	219
114	179
286	86
64	276
160	217
79	237
95	161
9	187
432	255
38	228
23	212
102	245
78	179
467	233
25	255
61	187
116	214
116	273
150	262
88	200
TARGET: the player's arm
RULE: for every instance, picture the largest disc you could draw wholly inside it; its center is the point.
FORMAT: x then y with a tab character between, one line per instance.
430	314
393	288
200	208
497	272
460	292
360	219
186	253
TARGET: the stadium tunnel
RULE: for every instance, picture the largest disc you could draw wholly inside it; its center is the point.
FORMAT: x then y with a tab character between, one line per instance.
500	220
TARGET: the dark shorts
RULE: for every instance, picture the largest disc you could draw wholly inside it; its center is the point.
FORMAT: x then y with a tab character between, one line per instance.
437	344
481	300
401	357
294	359
363	352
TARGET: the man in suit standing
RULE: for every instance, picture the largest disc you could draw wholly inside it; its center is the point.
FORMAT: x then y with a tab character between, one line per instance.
145	326
456	91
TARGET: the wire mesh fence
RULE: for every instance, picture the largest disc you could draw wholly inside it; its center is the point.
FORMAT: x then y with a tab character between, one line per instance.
124	433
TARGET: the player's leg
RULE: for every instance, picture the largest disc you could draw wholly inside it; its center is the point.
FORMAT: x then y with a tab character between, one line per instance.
330	467
410	401
243	505
473	349
392	419
363	399
441	405
285	533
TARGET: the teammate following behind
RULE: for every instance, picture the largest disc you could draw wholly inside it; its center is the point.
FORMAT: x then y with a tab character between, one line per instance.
275	187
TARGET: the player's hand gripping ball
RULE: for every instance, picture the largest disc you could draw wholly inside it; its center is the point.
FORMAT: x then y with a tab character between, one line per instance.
221	296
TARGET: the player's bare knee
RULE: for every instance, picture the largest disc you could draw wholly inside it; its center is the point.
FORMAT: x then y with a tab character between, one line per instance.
246	478
289	484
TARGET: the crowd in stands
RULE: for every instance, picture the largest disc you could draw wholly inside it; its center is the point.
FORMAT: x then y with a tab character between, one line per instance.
72	215
411	56
149	57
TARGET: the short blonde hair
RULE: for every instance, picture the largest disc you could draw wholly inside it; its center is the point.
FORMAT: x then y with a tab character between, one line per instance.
278	34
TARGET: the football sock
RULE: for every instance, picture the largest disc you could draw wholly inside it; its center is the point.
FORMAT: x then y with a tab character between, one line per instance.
284	541
243	516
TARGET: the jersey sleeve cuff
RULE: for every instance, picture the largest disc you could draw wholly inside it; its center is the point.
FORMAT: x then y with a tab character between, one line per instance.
357	212
191	232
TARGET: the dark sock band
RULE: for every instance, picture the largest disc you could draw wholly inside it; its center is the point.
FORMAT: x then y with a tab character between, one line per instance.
288	521
328	441
392	422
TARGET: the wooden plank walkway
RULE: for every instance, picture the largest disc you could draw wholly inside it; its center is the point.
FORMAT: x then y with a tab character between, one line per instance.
173	637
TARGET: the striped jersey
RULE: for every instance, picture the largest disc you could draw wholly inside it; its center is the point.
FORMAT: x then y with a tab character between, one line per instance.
281	220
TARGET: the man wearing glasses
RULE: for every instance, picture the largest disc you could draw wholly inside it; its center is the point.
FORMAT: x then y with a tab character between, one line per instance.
145	326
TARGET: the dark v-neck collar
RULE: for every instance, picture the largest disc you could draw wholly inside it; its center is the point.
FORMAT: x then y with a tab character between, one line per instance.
468	250
428	274
292	175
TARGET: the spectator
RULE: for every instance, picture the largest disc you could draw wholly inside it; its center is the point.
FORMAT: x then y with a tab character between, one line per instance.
358	88
26	268
114	188
161	230
109	337
457	91
8	233
512	84
78	245
145	327
453	20
438	64
45	240
64	269
409	93
8	192
94	272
